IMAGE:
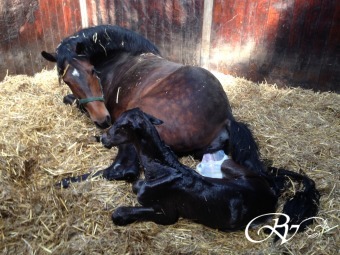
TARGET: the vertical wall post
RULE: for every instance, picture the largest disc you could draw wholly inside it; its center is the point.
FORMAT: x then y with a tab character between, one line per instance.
83	13
206	32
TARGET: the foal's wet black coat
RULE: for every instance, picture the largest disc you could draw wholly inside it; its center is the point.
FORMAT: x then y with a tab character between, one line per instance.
171	190
127	71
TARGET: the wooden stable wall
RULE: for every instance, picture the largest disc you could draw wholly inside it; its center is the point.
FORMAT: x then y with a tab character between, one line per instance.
29	26
292	42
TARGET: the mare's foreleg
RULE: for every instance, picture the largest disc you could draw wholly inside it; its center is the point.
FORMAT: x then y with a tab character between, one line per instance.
71	99
128	214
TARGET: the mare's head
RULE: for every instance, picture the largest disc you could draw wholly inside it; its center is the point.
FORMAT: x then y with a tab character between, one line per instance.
129	127
81	77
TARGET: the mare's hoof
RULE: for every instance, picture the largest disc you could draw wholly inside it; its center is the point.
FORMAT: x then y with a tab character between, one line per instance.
69	99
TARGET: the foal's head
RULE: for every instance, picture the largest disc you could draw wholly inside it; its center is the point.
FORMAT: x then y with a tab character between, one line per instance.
131	126
81	77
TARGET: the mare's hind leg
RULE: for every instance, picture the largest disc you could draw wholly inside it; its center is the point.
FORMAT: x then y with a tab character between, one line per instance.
126	165
128	214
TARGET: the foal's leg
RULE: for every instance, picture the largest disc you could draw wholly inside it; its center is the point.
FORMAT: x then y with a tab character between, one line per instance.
156	184
147	190
126	165
128	214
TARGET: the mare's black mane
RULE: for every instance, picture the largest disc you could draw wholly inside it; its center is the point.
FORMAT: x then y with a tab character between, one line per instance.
95	43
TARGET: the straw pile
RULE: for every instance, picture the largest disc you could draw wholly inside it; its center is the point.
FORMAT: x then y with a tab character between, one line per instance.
42	140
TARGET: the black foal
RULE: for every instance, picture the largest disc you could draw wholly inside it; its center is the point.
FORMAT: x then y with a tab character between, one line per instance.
171	190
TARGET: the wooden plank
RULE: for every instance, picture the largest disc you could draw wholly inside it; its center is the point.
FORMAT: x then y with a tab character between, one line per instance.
304	46
92	12
276	69
284	27
46	23
76	16
247	41
8	33
72	17
83	13
111	11
329	78
221	36
27	47
257	55
154	27
309	55
167	28
270	37
103	7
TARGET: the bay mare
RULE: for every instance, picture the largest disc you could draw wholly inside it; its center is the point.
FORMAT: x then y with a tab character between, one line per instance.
110	69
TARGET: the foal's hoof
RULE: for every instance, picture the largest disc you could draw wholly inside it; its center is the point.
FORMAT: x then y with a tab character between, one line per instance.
120	174
65	183
137	185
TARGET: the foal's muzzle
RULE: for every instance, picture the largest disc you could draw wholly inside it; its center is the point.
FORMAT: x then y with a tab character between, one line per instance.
105	140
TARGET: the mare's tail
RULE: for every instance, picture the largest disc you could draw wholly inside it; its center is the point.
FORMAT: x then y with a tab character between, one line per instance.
304	203
243	147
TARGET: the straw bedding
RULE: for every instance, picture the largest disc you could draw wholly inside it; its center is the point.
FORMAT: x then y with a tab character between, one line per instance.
42	140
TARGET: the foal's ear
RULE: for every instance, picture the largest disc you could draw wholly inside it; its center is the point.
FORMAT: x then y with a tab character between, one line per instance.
49	56
153	119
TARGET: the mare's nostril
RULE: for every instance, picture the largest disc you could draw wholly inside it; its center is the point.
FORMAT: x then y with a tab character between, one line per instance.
108	119
103	124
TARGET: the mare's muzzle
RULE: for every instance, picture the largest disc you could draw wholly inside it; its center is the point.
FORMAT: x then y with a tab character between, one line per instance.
96	108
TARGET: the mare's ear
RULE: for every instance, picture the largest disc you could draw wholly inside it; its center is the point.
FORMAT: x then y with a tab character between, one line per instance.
49	56
153	119
80	48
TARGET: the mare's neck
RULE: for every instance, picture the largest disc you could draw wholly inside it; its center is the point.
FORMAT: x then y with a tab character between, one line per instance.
111	69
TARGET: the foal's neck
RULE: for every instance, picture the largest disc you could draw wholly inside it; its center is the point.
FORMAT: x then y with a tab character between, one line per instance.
151	148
